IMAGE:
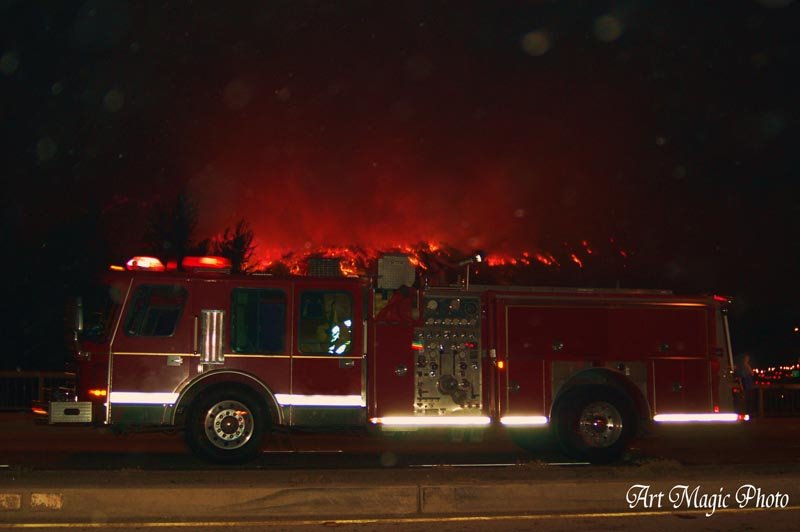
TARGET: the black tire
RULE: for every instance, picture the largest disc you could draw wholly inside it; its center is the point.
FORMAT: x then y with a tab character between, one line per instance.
227	425
594	423
536	440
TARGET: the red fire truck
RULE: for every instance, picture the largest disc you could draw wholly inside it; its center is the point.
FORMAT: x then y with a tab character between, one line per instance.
231	357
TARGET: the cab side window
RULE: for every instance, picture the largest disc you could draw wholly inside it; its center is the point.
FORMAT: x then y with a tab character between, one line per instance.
258	321
155	310
326	322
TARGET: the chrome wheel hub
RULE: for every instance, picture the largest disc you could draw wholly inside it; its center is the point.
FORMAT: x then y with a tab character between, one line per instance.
600	424
228	424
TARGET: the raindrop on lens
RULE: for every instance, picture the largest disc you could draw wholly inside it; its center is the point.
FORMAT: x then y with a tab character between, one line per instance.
535	43
607	28
46	149
9	62
113	100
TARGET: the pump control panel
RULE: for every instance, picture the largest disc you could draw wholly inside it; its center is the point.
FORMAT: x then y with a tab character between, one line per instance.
448	357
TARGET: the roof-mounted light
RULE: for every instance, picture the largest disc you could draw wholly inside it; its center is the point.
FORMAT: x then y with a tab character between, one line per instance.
206	263
145	263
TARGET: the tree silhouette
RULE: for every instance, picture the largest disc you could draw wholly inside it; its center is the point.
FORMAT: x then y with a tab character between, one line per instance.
171	227
237	245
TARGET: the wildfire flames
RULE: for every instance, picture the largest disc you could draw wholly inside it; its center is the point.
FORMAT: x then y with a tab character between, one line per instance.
431	258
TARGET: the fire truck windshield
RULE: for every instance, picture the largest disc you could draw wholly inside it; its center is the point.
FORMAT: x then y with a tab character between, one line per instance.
96	308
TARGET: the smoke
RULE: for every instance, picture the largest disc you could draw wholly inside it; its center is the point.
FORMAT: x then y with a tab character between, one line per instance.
410	147
296	207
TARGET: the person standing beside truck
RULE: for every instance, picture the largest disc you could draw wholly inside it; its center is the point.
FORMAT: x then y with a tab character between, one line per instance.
745	374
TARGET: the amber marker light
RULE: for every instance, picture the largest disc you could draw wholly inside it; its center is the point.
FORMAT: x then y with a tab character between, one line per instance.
98	393
501	364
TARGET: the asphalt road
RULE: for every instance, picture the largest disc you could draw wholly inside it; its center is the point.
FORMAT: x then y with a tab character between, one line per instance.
84	478
733	521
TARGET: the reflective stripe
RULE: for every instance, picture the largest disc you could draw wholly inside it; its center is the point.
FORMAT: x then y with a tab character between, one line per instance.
159	398
286	399
143	398
430	421
523	420
693	418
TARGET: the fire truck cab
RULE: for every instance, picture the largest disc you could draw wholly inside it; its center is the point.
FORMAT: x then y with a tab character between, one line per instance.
231	357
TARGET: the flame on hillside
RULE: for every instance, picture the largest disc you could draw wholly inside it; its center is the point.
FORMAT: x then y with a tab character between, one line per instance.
431	258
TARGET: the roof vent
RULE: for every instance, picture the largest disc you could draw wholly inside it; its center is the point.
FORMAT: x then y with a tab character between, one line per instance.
319	267
395	271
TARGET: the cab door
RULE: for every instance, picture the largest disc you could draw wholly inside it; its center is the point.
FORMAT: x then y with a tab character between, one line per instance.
152	350
327	365
256	330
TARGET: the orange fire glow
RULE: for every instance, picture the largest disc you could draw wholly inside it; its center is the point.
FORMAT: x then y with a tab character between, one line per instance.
429	257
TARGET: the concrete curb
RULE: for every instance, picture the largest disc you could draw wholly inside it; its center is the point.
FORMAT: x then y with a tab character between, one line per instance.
226	503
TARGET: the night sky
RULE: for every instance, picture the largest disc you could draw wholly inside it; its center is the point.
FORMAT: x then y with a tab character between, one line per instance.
661	135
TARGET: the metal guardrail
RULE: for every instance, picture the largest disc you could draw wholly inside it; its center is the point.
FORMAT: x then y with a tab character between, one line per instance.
18	389
775	400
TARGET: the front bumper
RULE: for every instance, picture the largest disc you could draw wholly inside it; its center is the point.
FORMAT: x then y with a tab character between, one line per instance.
69	412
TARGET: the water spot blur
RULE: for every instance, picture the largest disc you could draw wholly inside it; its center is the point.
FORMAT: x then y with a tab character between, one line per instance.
9	62
403	111
569	197
46	149
284	94
388	459
673	269
535	43
772	124
679	172
113	100
56	88
237	94
607	28
661	141
519	213
759	60
100	24
419	67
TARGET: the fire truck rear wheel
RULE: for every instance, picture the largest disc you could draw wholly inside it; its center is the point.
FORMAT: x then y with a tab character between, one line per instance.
227	426
594	423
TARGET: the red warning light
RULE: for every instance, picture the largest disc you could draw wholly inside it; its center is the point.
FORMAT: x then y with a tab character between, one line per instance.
206	263
145	263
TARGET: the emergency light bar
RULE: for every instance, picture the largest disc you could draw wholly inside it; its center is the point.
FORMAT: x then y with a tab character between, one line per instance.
206	263
145	263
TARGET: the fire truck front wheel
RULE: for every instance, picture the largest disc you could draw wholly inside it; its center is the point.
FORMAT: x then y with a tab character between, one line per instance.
594	423
227	425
